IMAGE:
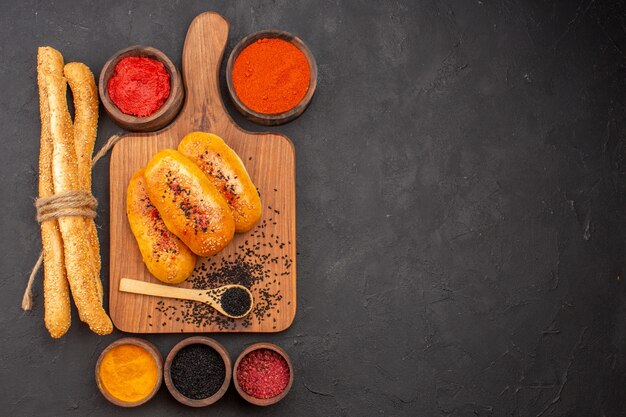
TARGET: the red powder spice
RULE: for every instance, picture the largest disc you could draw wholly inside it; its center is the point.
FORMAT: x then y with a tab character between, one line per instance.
139	85
263	374
271	76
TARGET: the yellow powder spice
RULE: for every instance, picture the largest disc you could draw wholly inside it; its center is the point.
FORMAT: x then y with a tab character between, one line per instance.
128	372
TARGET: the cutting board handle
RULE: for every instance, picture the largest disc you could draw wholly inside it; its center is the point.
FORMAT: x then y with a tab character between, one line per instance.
202	56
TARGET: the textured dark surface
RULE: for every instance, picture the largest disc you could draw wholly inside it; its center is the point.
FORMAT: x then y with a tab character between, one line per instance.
461	192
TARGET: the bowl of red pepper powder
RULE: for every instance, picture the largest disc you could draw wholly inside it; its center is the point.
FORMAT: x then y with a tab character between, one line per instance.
141	89
263	374
271	77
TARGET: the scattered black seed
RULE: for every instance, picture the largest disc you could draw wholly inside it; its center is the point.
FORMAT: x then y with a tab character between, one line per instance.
250	267
235	301
198	371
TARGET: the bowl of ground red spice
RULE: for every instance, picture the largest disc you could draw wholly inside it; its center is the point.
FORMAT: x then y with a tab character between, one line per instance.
263	374
271	77
141	89
197	371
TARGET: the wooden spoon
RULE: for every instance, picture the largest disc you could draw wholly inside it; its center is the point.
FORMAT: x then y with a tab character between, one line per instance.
212	297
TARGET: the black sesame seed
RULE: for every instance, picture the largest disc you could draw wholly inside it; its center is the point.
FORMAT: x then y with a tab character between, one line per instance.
235	301
198	371
249	267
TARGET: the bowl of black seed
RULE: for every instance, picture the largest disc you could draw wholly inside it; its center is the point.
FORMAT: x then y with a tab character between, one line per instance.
197	371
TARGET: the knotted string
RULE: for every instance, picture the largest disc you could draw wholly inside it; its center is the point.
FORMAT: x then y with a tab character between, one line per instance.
70	203
76	203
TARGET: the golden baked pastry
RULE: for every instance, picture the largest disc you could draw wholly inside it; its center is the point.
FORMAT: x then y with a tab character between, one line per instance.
85	94
227	173
77	251
55	286
165	255
189	204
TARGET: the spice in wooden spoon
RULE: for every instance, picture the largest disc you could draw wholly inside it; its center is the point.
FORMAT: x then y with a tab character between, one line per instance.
234	301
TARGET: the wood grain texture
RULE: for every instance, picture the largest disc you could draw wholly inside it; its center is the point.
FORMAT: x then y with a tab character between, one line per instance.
211	297
270	160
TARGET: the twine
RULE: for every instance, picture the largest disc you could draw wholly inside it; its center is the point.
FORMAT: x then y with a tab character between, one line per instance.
67	204
76	203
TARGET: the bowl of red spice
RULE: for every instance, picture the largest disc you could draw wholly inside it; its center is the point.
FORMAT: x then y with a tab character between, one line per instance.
263	374
271	77
141	89
197	371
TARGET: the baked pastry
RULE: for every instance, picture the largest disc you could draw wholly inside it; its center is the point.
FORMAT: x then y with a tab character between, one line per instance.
191	207
165	255
55	286
85	94
227	173
77	252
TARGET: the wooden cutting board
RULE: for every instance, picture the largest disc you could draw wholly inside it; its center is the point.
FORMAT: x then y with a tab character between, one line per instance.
264	258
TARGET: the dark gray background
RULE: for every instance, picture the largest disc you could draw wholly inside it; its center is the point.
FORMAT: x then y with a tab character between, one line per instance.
461	190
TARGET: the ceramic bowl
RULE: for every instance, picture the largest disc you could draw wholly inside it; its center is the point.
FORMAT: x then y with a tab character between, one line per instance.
266	401
159	119
168	376
137	342
279	118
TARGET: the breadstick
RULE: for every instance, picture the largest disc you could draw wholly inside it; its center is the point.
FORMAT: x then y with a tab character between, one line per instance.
77	250
55	289
85	93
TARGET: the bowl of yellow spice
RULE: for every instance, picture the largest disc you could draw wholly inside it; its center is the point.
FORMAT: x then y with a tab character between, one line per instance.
129	371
